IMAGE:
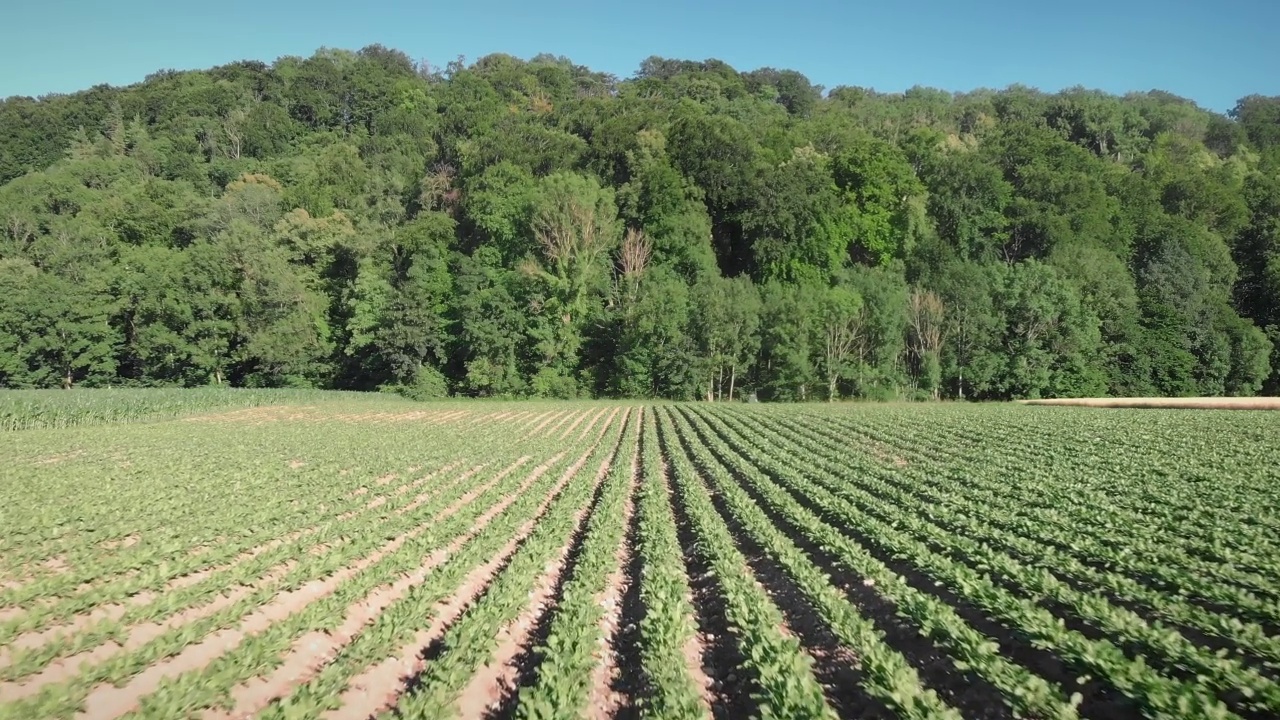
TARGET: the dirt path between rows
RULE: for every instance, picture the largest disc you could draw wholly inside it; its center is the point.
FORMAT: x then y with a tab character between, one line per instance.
106	701
698	656
605	697
379	687
67	668
310	653
495	684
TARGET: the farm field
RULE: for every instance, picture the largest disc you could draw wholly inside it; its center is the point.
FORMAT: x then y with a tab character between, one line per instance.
341	556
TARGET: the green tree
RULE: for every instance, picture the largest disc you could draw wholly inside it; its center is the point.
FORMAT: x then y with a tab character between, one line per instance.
1051	341
843	335
726	327
490	326
575	224
878	183
973	328
788	319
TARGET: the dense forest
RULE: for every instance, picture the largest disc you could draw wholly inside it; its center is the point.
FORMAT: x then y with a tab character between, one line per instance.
357	220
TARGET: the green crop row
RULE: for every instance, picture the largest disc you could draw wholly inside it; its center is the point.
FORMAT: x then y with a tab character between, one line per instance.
564	673
470	641
910	561
1150	504
32	409
362	538
398	624
1026	692
843	503
967	510
779	669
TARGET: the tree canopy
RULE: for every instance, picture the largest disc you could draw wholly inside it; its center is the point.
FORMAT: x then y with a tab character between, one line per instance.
514	227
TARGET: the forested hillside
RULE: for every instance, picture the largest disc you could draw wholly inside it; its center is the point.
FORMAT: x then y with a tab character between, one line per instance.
355	220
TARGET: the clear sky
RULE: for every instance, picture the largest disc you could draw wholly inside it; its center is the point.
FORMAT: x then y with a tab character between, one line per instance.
1212	51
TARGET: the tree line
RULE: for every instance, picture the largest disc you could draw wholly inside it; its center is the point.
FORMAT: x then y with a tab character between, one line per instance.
357	220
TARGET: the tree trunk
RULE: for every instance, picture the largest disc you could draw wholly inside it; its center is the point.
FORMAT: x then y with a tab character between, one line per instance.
961	382
66	379
733	374
831	387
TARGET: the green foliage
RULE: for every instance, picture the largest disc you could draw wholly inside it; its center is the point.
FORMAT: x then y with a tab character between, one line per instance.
350	219
428	384
29	409
182	545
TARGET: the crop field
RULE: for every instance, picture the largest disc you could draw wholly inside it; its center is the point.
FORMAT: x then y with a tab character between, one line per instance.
335	556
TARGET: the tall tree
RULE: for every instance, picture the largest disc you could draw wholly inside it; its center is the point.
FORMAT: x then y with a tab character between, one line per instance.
843	326
926	322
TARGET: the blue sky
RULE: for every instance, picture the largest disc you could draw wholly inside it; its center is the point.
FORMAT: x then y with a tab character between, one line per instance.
1213	51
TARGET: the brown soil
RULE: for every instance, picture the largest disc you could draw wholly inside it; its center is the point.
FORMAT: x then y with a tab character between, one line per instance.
551	417
380	500
1196	403
604	699
380	686
56	565
594	419
576	422
201	575
313	651
39	638
492	691
608	423
60	457
106	701
697	657
376	501
884	454
406	487
494	680
124	542
65	669
428	495
553	427
530	422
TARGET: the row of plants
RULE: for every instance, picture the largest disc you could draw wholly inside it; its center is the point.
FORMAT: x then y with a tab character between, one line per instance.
470	641
398	626
1233	553
563	683
887	674
780	672
832	495
965	509
930	616
342	543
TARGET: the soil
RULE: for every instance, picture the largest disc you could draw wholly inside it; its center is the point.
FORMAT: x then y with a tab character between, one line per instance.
379	687
607	694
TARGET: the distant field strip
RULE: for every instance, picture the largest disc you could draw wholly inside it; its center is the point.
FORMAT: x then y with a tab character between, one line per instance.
1201	403
339	556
